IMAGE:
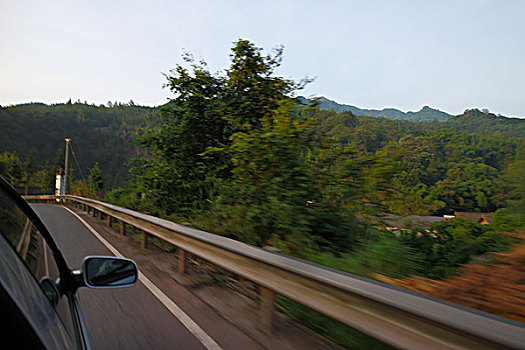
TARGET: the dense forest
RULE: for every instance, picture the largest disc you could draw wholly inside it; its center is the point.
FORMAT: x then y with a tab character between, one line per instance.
471	162
237	154
100	134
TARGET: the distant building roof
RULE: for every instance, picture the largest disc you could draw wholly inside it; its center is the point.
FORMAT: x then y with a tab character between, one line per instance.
418	221
478	217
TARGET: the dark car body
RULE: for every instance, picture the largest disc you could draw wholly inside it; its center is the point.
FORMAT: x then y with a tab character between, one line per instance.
37	288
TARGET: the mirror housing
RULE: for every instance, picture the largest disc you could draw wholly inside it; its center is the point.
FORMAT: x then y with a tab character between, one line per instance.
108	272
50	290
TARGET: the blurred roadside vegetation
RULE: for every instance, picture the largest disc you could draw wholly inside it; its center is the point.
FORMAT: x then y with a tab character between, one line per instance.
237	155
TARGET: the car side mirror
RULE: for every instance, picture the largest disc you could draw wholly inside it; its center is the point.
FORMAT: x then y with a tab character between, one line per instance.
109	272
50	290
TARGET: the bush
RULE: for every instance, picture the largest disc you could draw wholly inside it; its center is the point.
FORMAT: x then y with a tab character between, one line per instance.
450	244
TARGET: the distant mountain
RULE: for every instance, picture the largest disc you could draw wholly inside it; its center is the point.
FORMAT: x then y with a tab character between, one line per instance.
484	122
425	114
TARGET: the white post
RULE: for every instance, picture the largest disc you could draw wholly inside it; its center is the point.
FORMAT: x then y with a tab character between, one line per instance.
58	185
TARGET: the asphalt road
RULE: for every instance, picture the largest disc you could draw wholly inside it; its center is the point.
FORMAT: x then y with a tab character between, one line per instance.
133	318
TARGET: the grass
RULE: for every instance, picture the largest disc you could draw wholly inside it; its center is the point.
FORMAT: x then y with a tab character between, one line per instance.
333	330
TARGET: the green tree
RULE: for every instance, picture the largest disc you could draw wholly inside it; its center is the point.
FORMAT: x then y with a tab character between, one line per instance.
11	168
27	172
45	178
512	194
206	111
95	180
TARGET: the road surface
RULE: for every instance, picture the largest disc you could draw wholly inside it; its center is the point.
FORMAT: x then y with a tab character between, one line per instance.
135	318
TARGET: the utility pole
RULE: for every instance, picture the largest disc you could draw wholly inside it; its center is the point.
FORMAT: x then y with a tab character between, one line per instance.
65	172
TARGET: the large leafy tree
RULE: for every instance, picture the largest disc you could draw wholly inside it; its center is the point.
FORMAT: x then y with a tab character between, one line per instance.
175	174
207	109
232	150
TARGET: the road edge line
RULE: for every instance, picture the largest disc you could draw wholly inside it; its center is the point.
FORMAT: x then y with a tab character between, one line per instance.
186	320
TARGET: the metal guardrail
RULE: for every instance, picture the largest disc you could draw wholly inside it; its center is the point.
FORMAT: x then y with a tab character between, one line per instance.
23	244
41	198
395	316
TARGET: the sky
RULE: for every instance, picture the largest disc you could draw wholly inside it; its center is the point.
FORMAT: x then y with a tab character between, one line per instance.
450	55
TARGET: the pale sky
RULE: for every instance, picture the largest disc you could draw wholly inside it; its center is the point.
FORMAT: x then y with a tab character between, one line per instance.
450	55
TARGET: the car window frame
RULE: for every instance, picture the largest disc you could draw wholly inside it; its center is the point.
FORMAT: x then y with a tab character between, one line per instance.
64	270
68	282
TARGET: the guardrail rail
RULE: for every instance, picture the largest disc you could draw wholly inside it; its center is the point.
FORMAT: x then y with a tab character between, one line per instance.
398	317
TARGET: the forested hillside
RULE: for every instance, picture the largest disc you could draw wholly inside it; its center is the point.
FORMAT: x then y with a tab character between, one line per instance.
462	164
100	134
465	163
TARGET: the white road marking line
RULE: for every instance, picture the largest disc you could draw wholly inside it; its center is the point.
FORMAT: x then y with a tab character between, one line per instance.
193	327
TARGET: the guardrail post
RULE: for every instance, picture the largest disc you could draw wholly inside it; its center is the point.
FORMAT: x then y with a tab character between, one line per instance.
144	239
183	260
122	228
94	212
108	220
267	309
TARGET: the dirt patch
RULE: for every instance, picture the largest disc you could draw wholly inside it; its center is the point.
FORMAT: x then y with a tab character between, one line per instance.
497	287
